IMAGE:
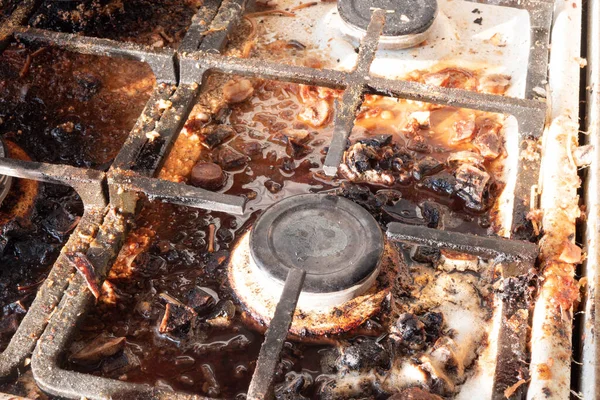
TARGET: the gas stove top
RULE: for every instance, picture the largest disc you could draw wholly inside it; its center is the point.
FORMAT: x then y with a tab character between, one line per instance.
294	200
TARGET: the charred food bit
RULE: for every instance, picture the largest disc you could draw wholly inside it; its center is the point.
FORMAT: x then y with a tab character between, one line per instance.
211	238
292	387
230	159
222	317
426	254
121	364
207	175
462	157
217	136
238	91
489	145
316	113
86	269
363	355
376	142
409	332
464	130
298	135
360	164
419	120
98	349
494	84
177	315
447	353
251	149
472	185
199	300
297	149
420	145
443	183
427	166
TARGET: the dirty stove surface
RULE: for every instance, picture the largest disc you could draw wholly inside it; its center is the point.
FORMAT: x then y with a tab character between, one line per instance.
246	209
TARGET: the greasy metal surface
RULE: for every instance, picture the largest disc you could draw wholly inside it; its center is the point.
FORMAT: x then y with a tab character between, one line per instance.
224	22
483	246
5	180
511	349
353	94
404	17
87	182
18	17
176	193
195	32
516	259
268	358
133	145
530	113
91	186
334	240
160	60
145	157
47	298
153	153
589	383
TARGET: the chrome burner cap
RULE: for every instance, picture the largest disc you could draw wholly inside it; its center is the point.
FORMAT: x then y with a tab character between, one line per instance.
5	180
336	241
407	23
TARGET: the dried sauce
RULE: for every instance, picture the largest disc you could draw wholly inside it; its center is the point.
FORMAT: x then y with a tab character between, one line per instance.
268	149
70	110
60	109
138	21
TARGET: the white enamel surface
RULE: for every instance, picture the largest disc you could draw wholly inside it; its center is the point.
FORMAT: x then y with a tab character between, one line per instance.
455	40
549	350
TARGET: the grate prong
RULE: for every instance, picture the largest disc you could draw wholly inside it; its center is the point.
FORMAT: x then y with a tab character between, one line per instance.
270	351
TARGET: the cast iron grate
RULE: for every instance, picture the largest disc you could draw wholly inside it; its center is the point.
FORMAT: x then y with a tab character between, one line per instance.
180	74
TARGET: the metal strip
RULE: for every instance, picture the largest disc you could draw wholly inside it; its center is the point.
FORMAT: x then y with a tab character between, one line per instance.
18	17
531	110
196	31
47	297
153	153
177	193
353	95
201	61
160	60
87	182
268	358
589	381
484	246
222	25
144	124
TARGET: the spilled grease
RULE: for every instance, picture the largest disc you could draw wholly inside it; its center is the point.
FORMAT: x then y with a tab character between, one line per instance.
218	359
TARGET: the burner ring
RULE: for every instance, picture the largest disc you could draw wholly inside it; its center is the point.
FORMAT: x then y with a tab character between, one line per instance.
405	17
337	242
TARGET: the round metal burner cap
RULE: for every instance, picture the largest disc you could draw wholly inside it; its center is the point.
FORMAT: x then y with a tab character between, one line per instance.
336	241
403	17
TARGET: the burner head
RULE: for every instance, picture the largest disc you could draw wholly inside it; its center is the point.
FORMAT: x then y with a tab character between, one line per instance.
5	180
407	22
336	241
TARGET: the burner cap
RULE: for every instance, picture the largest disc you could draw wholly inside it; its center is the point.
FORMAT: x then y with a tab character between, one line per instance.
404	17
336	241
